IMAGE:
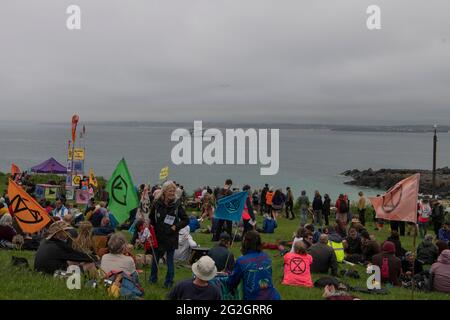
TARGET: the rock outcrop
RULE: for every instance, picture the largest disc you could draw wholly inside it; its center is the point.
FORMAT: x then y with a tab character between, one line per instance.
386	178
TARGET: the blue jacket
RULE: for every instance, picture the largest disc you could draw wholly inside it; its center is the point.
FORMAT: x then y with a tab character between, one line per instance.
193	224
269	225
255	270
444	235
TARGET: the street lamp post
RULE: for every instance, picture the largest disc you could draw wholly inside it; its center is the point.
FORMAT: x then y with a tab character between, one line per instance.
434	162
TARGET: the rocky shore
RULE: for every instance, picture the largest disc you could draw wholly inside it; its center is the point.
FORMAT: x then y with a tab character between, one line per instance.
386	178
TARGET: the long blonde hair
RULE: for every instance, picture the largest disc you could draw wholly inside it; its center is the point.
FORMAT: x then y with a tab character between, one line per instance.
84	242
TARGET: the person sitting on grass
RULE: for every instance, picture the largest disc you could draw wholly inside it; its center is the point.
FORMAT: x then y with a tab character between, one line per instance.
369	246
105	228
352	246
254	268
410	265
84	242
442	245
427	252
54	253
395	239
440	273
323	257
444	232
118	258
198	288
185	245
331	291
297	266
221	254
390	265
7	231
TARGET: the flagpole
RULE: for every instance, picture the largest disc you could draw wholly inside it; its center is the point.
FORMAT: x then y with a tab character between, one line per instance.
231	245
414	261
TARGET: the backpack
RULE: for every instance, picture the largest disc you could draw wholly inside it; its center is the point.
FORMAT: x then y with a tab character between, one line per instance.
343	206
124	285
385	268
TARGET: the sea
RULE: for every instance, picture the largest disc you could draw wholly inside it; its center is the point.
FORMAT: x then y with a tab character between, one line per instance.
309	159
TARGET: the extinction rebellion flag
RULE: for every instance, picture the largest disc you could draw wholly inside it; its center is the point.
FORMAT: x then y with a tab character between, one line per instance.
231	207
122	194
400	202
30	216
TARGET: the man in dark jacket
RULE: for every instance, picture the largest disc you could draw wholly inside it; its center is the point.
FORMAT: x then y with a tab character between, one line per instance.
54	253
437	216
369	246
323	256
390	265
221	254
427	252
224	192
167	217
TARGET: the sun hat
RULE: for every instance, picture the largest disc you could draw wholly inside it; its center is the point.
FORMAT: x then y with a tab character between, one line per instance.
57	227
205	268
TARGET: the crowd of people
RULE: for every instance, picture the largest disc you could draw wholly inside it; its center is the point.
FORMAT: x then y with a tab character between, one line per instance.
327	235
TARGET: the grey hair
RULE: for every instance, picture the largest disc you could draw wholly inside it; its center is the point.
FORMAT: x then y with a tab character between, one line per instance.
6	220
116	243
323	238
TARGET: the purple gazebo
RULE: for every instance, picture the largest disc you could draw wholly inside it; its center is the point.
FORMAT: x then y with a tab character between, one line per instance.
50	166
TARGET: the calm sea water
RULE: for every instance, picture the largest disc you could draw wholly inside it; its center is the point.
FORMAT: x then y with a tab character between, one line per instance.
309	160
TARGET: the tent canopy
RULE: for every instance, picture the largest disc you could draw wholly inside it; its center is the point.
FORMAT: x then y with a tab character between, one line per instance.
50	166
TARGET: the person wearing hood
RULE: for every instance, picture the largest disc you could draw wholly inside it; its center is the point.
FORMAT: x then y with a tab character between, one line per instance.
440	273
427	252
390	265
185	245
335	242
168	218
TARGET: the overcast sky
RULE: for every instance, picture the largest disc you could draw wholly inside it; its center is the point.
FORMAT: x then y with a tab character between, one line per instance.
220	60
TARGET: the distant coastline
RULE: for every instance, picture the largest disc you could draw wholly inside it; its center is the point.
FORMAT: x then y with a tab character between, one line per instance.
344	128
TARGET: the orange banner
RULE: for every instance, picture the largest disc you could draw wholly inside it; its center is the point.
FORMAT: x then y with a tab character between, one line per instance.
400	202
75	119
30	216
15	169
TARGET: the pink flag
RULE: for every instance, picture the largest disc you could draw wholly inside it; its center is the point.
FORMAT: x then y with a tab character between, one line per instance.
82	196
400	202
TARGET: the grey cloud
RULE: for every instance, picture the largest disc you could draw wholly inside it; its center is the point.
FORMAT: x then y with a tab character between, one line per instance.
285	61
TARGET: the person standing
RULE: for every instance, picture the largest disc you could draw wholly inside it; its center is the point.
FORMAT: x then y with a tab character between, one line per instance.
303	202
437	216
167	217
342	209
317	208
248	216
362	208
326	207
224	192
289	203
263	207
269	198
424	216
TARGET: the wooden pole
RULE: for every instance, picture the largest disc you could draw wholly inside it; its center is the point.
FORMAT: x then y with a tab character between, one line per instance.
414	262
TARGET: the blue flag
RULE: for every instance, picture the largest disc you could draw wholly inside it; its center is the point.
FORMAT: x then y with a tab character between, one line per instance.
231	207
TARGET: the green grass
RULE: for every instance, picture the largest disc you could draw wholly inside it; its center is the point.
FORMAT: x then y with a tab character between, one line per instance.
16	283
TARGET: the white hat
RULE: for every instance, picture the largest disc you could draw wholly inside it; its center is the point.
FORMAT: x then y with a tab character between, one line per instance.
205	268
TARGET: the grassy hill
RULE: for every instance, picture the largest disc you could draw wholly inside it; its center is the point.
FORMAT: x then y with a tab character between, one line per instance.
22	284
